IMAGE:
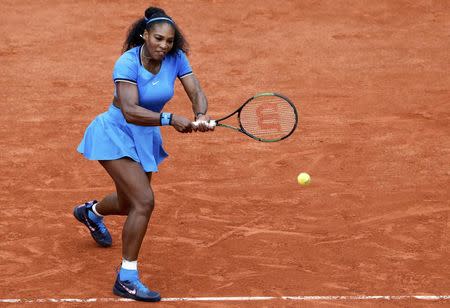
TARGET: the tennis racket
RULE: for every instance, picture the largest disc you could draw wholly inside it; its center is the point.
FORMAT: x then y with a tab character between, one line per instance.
266	117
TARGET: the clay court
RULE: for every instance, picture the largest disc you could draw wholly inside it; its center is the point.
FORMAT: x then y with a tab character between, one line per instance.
372	85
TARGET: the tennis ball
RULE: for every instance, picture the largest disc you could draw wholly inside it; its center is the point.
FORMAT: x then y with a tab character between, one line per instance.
304	179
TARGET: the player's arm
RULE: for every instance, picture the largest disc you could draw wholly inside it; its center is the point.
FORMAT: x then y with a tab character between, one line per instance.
198	99
128	97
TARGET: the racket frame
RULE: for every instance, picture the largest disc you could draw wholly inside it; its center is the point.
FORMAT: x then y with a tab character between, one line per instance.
242	130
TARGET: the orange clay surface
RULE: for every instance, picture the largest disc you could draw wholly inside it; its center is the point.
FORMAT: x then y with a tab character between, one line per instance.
372	84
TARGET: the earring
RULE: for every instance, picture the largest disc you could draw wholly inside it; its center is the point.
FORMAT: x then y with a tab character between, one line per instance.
141	36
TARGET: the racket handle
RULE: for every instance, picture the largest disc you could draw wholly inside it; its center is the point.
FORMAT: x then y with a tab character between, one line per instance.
210	124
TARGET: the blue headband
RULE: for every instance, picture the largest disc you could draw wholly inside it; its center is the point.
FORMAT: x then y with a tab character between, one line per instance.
158	18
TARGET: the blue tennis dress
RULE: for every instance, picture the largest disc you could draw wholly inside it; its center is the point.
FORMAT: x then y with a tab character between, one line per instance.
110	137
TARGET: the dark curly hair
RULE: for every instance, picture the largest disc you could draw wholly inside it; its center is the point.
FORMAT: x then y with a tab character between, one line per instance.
137	29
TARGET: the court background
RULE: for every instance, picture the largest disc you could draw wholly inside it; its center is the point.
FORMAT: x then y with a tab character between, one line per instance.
371	83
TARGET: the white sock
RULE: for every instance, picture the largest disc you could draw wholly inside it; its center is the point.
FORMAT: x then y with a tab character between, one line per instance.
129	265
94	209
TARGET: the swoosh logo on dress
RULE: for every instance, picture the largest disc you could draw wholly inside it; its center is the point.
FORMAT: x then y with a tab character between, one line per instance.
155	82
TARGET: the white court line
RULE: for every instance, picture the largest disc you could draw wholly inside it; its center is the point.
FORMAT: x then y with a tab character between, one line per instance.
242	298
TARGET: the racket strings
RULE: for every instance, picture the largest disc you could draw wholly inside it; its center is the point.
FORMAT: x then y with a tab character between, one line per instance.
268	117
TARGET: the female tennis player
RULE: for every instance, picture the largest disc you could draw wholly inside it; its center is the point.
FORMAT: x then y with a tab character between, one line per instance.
126	139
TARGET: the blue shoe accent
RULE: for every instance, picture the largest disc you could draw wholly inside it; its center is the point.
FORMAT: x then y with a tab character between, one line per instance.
136	290
125	274
84	214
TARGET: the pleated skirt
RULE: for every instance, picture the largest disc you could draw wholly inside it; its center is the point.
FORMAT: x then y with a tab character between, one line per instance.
110	137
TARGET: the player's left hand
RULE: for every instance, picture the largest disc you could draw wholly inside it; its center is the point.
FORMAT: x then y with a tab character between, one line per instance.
203	121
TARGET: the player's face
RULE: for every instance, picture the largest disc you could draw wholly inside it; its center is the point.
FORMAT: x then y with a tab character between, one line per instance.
159	40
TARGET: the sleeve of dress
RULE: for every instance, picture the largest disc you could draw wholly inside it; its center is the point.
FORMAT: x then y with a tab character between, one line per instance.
126	69
183	67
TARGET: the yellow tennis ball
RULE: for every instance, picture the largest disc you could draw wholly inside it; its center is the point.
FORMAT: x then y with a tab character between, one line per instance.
304	179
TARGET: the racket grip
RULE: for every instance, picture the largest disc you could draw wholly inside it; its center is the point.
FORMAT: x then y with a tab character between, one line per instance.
210	124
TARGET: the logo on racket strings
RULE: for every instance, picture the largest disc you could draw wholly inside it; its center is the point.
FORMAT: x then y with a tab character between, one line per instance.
268	117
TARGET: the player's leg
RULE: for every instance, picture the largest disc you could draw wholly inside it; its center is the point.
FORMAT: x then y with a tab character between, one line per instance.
113	204
91	214
140	210
135	188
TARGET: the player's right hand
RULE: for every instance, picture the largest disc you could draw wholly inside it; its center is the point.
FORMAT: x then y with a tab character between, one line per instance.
202	124
181	124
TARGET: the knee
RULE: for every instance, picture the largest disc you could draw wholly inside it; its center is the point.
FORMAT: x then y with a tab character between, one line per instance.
144	204
124	210
124	207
